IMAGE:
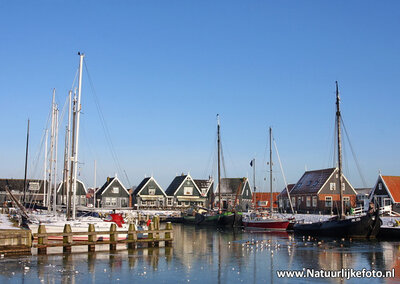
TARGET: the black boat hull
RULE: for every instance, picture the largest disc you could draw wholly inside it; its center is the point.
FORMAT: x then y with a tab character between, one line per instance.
359	227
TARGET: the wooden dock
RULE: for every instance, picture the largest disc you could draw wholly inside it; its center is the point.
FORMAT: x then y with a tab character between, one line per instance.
22	241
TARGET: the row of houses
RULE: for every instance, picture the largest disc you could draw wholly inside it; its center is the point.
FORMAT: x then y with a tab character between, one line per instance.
315	192
183	191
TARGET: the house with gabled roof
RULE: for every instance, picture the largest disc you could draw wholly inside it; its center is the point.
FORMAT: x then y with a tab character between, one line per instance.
386	192
149	194
113	194
234	189
317	191
206	187
184	192
81	192
283	199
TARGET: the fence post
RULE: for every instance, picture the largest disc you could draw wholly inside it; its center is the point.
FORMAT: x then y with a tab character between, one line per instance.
132	236
168	235
92	238
42	240
150	235
67	240
113	237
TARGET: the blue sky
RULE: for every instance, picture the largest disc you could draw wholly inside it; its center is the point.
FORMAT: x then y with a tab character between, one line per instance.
162	70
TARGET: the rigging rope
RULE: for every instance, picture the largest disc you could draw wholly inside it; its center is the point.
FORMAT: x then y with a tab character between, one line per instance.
104	125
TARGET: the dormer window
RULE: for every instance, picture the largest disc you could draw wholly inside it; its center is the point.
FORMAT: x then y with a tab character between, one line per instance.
309	183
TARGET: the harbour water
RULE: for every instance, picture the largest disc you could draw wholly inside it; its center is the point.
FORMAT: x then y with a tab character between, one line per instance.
207	255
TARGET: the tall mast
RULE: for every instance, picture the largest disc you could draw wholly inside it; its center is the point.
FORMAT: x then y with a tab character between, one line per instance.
51	149
339	137
55	163
270	166
219	166
78	112
254	182
68	151
94	188
26	162
72	167
45	171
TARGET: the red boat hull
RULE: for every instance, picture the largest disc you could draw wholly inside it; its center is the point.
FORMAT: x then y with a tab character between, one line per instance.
267	224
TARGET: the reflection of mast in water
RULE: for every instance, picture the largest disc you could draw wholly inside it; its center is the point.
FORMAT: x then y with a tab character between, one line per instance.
219	258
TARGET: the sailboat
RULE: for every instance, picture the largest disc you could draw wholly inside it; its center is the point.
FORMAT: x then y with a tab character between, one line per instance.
366	226
211	217
54	222
266	220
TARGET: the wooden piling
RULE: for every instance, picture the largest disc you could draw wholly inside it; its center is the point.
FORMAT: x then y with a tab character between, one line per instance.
132	236
67	239
91	238
42	240
168	235
150	236
113	237
156	220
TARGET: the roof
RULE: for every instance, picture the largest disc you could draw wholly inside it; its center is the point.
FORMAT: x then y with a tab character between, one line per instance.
141	185
393	186
177	181
105	185
81	188
283	193
204	183
312	181
266	196
231	185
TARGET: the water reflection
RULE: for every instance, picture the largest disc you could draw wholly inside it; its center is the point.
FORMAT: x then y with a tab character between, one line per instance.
205	255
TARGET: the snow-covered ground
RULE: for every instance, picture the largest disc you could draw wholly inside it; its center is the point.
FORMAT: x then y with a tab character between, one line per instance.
5	222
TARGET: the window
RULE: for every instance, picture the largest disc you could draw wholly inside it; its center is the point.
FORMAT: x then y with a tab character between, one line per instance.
346	201
343	186
152	191
380	186
332	186
144	202
107	200
188	190
315	183
293	201
309	183
203	191
115	190
247	192
308	201
328	201
114	201
169	201
152	203
124	202
314	201
298	201
299	185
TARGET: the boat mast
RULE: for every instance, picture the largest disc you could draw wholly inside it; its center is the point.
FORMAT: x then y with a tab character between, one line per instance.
26	162
254	182
78	112
339	137
270	166
69	203
55	163
45	171
51	149
94	188
219	166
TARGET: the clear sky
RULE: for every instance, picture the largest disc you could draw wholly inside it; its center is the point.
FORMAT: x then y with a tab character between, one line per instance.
162	70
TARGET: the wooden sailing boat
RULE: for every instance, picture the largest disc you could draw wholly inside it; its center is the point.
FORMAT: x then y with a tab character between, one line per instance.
263	220
366	226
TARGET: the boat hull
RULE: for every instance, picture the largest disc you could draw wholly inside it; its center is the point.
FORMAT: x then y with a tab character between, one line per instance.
359	227
279	225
